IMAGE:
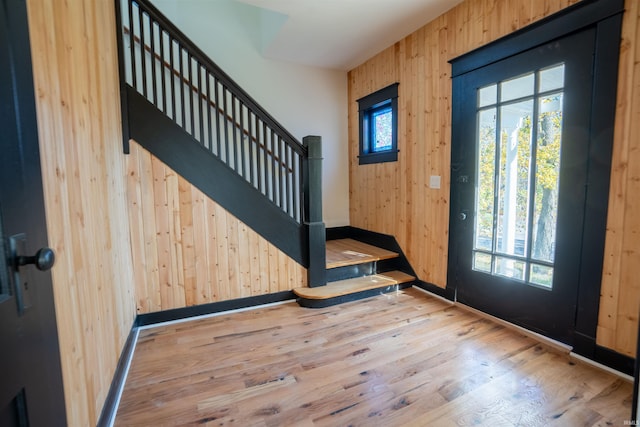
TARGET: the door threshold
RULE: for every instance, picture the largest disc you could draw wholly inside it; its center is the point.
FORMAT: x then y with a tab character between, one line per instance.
581	359
556	345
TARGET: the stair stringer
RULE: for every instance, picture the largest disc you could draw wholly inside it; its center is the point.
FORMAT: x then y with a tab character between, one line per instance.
157	133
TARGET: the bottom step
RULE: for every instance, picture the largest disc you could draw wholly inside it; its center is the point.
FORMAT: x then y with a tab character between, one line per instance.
351	289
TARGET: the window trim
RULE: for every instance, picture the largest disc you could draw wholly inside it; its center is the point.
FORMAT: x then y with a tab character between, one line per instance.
366	107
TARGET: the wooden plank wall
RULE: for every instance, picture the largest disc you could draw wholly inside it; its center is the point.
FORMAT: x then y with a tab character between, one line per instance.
188	250
84	175
395	198
620	293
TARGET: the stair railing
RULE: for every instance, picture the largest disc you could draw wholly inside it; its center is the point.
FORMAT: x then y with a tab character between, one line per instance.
163	65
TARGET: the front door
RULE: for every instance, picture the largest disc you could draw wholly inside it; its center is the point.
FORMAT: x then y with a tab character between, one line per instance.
31	381
519	175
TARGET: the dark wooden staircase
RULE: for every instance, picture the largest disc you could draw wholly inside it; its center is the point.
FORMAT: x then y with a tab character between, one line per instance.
187	112
355	270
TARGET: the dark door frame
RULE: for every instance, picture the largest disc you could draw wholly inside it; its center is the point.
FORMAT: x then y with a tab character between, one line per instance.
606	17
30	348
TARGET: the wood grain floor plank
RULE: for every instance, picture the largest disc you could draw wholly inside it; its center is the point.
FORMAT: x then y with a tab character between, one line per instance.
397	359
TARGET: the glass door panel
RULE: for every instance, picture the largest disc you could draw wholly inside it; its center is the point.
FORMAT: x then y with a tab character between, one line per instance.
517	176
530	147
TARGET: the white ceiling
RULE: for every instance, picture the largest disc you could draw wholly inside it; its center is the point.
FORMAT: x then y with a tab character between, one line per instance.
339	34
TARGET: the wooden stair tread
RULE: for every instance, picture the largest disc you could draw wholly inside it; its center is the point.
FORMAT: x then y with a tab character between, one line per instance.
357	284
343	252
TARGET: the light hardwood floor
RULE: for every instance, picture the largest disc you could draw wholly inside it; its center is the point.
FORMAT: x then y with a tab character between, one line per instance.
397	359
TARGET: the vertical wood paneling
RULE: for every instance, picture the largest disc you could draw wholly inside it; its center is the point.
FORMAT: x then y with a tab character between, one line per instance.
262	287
85	185
620	293
163	244
273	270
395	198
222	265
176	284
200	222
136	215
186	211
203	253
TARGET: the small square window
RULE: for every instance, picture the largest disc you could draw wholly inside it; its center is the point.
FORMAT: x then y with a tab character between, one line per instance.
382	121
378	126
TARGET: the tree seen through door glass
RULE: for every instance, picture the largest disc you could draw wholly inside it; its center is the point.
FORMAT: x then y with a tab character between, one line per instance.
518	140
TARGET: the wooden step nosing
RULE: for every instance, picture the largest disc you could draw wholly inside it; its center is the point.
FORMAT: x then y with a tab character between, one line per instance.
326	292
340	299
347	252
338	264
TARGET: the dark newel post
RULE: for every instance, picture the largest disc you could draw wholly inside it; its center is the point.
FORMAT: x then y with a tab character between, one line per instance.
316	270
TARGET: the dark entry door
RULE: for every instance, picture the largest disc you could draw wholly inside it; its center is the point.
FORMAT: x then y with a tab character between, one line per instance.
31	382
519	174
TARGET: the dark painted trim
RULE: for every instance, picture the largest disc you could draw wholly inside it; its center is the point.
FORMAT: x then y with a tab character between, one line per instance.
317	250
446	293
110	407
34	333
379	96
312	182
380	157
599	171
350	271
366	106
172	145
335	233
584	345
615	360
568	20
214	307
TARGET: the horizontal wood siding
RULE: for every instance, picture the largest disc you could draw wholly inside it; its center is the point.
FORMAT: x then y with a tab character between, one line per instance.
84	175
188	250
395	198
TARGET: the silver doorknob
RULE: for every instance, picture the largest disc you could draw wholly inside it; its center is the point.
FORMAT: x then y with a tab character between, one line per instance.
462	216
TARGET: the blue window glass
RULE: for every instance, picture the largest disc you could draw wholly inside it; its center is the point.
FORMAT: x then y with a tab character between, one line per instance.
382	129
378	126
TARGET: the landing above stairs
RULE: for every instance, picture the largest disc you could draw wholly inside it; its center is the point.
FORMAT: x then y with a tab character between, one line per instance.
355	263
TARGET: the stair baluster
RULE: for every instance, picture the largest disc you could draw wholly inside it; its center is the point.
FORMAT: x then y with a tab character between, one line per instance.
159	65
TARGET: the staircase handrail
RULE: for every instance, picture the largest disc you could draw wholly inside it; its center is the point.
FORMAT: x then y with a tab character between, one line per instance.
223	77
173	94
